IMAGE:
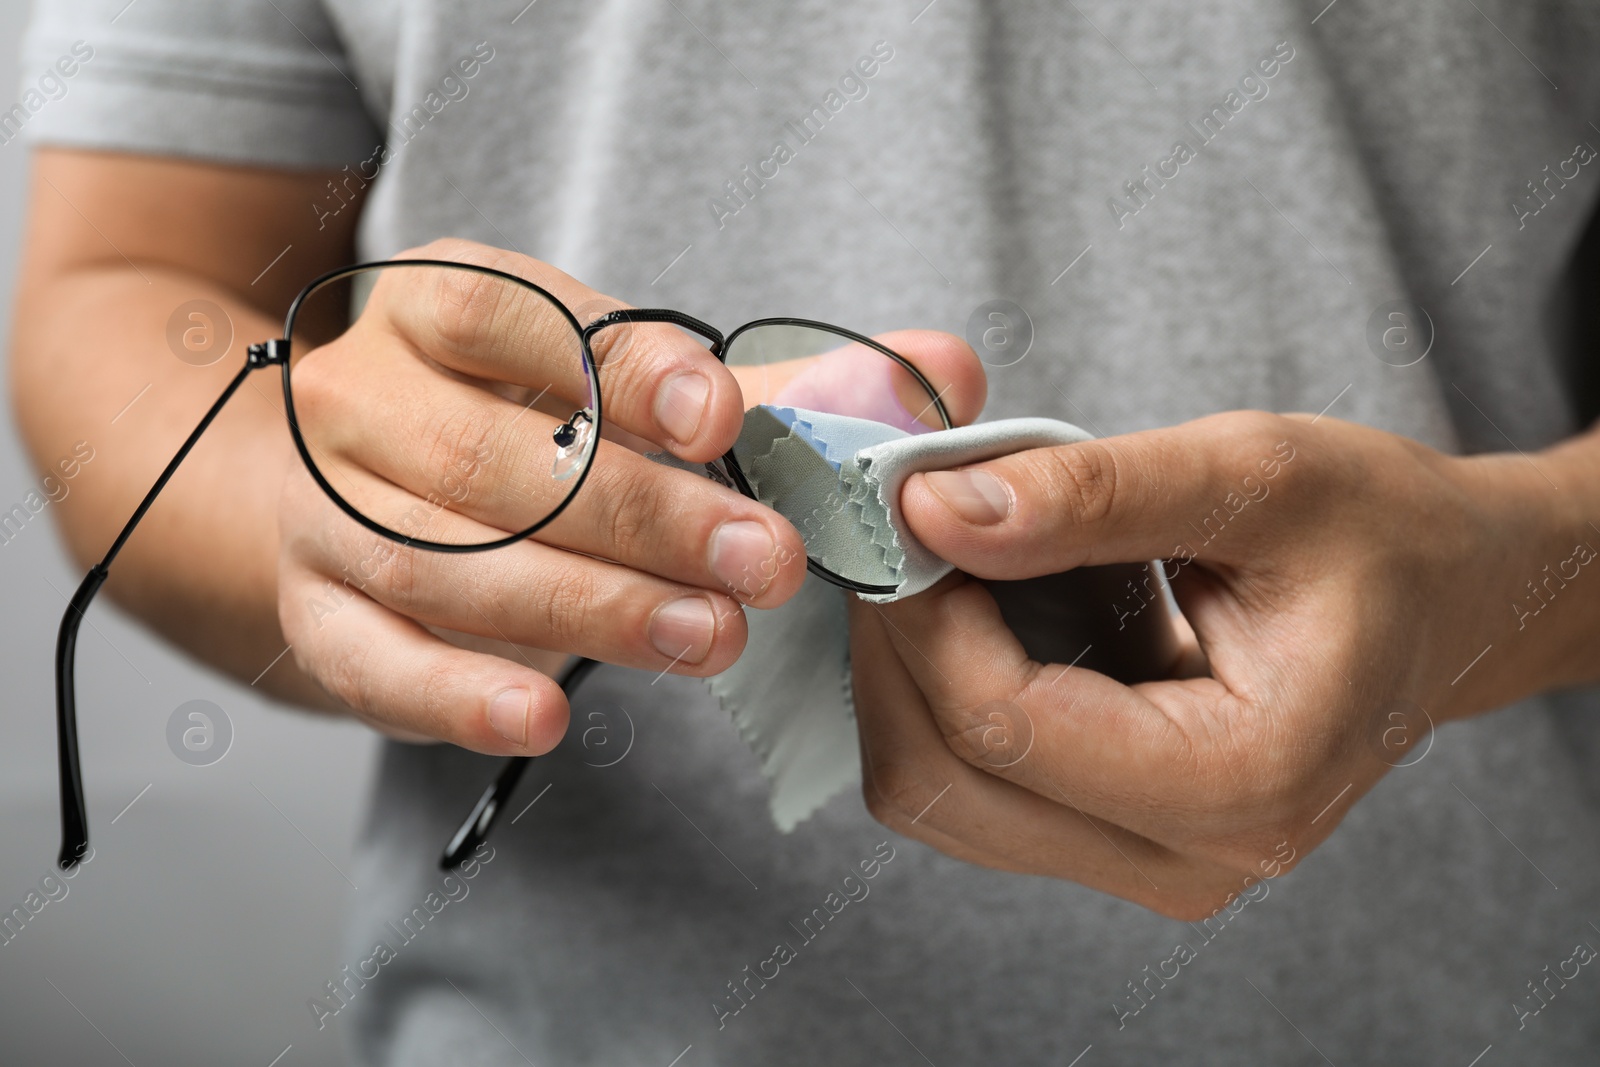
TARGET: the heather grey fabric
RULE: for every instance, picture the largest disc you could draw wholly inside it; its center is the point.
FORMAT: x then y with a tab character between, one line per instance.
1335	158
789	696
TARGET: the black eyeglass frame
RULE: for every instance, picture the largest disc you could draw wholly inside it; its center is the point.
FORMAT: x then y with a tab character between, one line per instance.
727	470
591	366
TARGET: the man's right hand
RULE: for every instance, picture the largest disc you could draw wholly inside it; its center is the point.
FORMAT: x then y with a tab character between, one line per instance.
647	567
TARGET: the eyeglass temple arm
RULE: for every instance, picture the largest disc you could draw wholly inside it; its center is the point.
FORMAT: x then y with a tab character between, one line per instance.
74	812
475	830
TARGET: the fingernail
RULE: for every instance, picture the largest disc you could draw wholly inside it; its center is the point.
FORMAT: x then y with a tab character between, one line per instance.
977	496
744	557
680	405
508	714
682	629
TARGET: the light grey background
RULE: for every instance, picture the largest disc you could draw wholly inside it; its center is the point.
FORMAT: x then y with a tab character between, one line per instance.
206	918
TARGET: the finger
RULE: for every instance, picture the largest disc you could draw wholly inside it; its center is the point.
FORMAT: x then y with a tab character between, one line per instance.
1191	661
1109	750
682	527
525	593
657	381
361	407
1195	491
393	673
905	768
460	449
861	382
914	784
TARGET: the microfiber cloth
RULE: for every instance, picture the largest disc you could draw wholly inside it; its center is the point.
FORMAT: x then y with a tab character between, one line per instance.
838	480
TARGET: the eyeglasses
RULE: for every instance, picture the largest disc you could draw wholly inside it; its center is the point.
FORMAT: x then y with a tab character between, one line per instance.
518	409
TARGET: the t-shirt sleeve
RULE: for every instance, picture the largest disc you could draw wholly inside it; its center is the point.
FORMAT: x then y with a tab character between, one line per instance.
239	81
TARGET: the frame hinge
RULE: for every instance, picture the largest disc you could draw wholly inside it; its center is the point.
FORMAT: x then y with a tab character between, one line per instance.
269	353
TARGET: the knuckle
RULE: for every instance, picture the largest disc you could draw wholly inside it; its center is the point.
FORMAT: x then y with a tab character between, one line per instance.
401	583
302	657
472	313
294	619
463	306
896	792
477	254
564	605
455	449
975	735
1263	444
342	673
634	509
447	248
640	358
316	391
1241	766
611	345
1257	429
1081	481
435	699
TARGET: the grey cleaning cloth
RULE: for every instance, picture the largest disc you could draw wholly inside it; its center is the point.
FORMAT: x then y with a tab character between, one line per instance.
838	480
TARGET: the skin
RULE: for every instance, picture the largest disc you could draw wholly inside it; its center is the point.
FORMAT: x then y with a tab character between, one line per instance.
243	554
1353	593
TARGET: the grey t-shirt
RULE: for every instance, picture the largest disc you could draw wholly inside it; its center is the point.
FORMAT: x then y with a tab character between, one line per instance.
1334	159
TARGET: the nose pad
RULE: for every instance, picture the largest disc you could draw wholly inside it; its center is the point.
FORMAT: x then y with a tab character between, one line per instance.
573	439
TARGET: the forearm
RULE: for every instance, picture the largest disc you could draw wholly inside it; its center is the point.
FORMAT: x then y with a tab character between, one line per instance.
91	362
91	365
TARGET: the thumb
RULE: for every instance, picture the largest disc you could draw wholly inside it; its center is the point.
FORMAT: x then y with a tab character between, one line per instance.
1186	492
860	382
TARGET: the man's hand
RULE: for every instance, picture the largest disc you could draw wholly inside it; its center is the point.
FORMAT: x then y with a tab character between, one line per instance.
1348	588
613	578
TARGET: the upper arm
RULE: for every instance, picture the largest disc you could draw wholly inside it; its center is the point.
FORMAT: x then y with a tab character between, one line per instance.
223	224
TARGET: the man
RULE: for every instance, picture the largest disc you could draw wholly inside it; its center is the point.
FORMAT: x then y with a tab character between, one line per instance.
1376	216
